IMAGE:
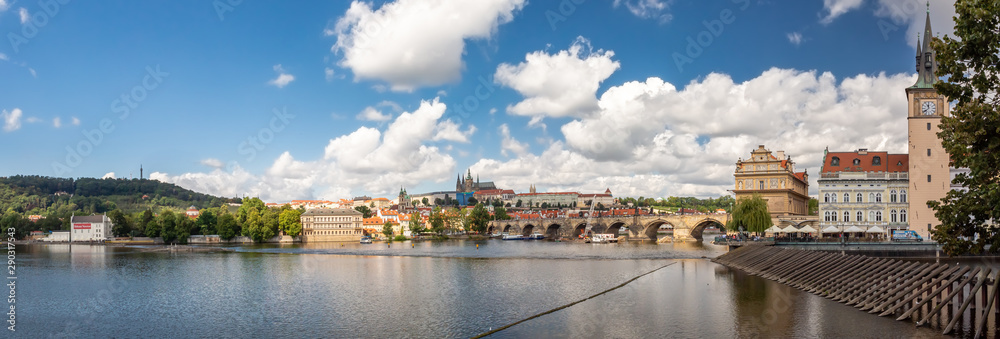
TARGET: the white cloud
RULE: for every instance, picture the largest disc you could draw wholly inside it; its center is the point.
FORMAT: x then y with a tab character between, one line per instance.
4	5
76	121
648	9
364	161
283	78
212	162
509	144
109	175
3	57
56	122
450	131
653	139
558	85
23	14
329	73
413	43
836	8
912	16
11	120
795	38
32	71
372	114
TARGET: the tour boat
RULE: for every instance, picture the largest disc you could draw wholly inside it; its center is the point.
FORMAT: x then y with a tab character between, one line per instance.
513	237
366	240
601	238
536	236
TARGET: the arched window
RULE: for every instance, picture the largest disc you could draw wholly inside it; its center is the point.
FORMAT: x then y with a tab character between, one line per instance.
892	216
826	216
902	196
833	197
871	197
878	216
871	215
847	216
878	197
876	161
835	161
857	161
833	216
826	197
847	198
860	216
892	196
859	197
902	215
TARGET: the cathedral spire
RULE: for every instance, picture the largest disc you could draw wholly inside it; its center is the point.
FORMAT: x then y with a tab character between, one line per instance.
926	56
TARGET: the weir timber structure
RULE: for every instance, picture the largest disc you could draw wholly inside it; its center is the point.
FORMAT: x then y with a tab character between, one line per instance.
929	293
640	227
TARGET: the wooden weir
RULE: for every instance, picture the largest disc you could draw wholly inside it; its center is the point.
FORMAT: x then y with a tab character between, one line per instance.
929	293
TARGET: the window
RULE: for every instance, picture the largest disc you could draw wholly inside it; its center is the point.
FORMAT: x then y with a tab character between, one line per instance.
928	126
847	216
928	152
877	160
871	215
871	197
762	184
892	196
833	197
859	197
878	216
928	178
847	197
902	215
833	216
892	216
826	197
860	216
902	196
826	216
835	161
878	197
857	161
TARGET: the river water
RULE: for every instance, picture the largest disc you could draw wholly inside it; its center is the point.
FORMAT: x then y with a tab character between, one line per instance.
420	290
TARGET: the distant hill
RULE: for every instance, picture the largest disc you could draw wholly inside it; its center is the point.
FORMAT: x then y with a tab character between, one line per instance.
32	194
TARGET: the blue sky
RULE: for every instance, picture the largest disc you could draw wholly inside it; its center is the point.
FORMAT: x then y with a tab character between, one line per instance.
332	99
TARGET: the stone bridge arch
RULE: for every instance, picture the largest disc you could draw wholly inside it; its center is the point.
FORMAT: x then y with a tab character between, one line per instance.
651	228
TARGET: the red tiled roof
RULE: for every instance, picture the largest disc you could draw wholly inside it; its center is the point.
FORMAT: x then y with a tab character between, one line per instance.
888	162
801	176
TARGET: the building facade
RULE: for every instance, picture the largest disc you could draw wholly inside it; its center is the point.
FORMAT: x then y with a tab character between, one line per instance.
930	175
90	228
331	224
470	186
587	199
864	189
553	200
775	179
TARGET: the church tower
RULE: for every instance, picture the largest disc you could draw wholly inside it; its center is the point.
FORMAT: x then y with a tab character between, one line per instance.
929	163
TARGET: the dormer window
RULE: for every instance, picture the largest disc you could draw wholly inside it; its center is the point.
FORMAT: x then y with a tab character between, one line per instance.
876	161
857	161
835	161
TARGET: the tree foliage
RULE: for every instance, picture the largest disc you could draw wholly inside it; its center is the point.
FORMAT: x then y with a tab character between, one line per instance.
971	135
291	222
479	218
416	224
750	215
227	226
387	230
367	212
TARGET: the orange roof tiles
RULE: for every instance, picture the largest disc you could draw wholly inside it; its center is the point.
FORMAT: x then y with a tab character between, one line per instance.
865	162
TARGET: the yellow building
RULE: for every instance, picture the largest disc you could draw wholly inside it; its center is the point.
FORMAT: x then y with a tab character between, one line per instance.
774	178
331	224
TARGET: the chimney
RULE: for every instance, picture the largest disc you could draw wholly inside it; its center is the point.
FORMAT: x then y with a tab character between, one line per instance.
781	155
862	151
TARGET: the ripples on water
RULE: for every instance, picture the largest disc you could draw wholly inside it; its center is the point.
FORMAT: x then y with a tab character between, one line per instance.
429	290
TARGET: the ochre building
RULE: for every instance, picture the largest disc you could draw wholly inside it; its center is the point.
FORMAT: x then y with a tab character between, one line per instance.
773	176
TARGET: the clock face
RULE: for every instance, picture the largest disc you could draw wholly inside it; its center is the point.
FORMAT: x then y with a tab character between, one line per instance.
928	108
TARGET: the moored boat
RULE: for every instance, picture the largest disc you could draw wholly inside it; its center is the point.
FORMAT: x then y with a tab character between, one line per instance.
513	237
536	236
366	240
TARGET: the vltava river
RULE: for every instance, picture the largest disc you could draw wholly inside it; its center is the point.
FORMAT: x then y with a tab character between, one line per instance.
421	290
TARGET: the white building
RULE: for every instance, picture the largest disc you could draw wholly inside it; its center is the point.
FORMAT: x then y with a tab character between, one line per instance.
864	189
90	228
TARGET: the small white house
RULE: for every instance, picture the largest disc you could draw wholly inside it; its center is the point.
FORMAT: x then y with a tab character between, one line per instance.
90	228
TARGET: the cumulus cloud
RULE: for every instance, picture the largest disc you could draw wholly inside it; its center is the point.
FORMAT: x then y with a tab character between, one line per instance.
56	122
906	18
328	72
648	9
653	139
23	14
558	85
3	57
11	120
412	43
212	162
109	175
795	38
372	114
76	121
367	160
4	5
510	145
283	78
836	8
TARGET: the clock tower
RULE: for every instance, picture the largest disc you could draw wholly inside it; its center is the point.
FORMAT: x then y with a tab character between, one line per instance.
929	163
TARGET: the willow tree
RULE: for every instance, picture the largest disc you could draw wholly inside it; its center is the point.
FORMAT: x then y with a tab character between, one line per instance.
970	63
750	214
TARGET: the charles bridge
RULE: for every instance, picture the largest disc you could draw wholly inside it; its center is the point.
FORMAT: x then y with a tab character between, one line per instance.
640	227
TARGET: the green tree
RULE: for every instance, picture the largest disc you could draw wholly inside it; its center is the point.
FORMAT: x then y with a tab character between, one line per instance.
813	206
252	224
364	210
145	220
750	215
437	220
500	213
227	226
207	222
168	226
425	201
270	223
387	230
479	218
971	135
518	204
473	201
184	227
249	204
416	224
291	222
122	226
152	228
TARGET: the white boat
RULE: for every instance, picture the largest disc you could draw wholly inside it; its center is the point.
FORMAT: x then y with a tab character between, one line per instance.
513	237
601	238
366	240
536	236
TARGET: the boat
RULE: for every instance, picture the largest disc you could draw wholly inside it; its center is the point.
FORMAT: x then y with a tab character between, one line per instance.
513	237
366	240
536	236
601	238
